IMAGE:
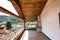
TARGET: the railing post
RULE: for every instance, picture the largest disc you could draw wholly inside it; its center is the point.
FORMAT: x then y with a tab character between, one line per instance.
24	24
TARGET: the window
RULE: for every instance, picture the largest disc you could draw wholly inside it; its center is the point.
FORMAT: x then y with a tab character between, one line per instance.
10	25
31	24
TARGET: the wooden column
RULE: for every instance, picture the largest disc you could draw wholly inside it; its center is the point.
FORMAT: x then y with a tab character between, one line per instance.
24	24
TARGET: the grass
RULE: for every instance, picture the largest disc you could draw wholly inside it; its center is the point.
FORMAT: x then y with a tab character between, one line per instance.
31	24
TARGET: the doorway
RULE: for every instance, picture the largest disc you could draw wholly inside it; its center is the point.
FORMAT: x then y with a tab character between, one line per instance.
31	24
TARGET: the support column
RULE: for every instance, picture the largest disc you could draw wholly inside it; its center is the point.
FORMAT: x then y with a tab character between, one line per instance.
39	28
24	23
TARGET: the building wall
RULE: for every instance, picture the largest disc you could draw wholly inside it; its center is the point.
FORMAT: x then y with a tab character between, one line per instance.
50	19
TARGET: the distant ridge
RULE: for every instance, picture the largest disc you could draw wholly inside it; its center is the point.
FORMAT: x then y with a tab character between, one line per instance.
6	18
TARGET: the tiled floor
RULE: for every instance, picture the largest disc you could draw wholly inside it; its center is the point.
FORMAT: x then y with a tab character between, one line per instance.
33	35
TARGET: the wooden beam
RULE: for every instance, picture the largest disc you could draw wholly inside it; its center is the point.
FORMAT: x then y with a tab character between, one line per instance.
17	7
7	12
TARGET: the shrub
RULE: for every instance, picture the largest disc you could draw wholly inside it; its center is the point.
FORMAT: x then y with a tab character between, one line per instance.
8	25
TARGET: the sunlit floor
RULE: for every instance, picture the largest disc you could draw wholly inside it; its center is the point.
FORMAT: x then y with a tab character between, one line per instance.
33	35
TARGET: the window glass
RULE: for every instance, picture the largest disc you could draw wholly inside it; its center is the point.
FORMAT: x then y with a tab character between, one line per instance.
31	24
10	26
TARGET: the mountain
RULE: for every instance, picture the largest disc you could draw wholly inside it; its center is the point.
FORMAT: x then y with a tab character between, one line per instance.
7	18
2	17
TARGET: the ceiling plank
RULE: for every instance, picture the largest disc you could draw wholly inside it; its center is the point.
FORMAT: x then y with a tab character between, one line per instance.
30	8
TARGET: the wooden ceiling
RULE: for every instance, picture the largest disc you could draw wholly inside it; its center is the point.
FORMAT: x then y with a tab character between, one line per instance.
29	9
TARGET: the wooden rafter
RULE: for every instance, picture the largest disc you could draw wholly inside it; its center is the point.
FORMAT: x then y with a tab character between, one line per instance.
7	12
17	7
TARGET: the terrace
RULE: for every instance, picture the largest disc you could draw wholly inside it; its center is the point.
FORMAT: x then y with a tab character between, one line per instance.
29	19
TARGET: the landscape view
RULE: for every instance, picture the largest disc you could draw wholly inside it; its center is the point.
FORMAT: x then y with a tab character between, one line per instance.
12	19
10	26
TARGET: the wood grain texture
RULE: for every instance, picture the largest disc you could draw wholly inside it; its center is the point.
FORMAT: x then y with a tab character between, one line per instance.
30	8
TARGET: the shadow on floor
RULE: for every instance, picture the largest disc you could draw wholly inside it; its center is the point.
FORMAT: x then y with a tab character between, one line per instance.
33	35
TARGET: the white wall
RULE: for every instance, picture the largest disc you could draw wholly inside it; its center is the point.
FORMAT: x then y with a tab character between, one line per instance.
50	19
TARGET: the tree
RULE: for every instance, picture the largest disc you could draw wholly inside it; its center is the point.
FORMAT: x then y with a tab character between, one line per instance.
8	25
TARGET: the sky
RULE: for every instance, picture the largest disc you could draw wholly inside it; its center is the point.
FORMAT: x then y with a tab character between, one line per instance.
7	5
